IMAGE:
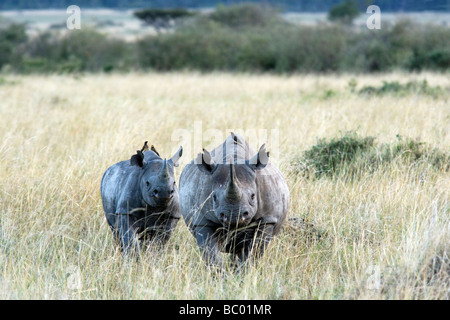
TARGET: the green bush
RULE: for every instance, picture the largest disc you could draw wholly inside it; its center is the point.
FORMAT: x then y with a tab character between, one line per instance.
244	15
429	46
211	47
411	151
79	50
153	14
94	50
344	12
161	18
396	88
437	59
334	156
12	38
208	45
310	49
350	155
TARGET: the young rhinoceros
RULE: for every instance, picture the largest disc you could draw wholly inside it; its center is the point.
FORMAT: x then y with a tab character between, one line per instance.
231	202
140	197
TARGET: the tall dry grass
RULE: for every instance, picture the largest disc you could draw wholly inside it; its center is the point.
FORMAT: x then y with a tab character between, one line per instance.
385	235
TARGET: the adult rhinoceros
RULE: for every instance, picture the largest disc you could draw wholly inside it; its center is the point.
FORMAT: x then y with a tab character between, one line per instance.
231	202
140	197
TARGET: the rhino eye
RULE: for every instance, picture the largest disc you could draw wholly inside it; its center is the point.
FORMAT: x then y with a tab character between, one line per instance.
253	196
214	198
147	184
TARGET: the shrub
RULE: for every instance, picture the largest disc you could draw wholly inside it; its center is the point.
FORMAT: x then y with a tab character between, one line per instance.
411	151
396	88
244	15
95	50
211	47
317	48
350	155
162	18
429	47
149	15
332	157
344	12
208	45
437	59
12	37
81	50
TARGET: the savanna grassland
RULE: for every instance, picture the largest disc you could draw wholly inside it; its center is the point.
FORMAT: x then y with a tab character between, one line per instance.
383	234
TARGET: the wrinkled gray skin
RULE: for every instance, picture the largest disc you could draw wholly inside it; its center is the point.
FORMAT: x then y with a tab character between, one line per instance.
233	191
140	198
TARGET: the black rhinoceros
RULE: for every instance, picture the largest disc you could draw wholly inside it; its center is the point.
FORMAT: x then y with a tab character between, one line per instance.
233	200
140	197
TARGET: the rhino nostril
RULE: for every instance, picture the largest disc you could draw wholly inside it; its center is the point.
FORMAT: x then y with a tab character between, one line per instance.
223	217
245	215
156	193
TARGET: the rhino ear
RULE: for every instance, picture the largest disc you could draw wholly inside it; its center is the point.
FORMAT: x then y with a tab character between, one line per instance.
235	138
259	160
176	157
137	159
204	162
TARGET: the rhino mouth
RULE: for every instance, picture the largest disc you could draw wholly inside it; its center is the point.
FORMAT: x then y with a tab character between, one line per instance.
234	221
159	203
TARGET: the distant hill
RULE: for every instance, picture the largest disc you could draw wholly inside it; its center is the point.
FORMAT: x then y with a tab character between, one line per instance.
285	5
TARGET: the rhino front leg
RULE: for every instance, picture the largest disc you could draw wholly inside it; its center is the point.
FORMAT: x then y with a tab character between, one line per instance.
207	241
254	248
161	232
126	234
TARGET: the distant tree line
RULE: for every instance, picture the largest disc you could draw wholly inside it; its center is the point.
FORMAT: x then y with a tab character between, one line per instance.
241	38
291	5
163	18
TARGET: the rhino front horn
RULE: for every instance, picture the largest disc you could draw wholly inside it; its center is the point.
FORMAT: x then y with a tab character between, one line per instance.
233	192
164	172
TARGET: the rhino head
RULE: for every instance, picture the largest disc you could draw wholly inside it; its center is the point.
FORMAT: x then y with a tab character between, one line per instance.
234	189
156	180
